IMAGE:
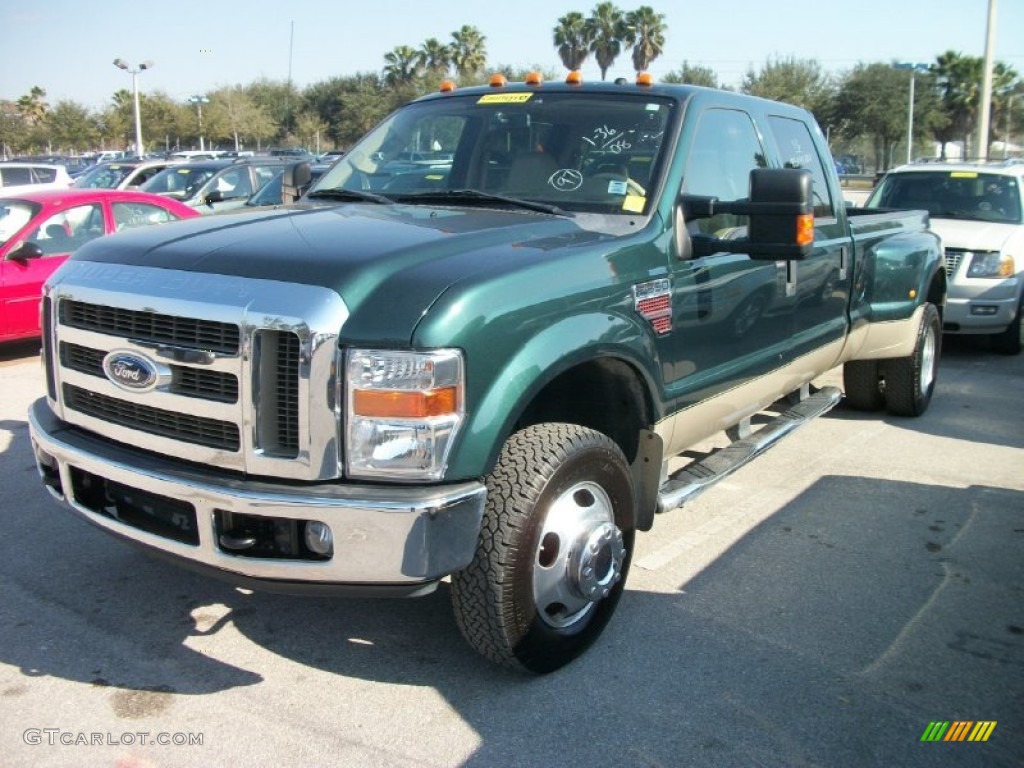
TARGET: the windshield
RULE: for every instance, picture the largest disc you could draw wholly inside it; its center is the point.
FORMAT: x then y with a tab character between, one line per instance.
579	152
15	214
959	194
179	183
106	176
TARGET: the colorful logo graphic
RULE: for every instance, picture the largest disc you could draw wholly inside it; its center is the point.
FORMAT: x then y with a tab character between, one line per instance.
958	730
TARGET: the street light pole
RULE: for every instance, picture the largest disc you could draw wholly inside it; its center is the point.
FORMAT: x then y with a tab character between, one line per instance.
199	101
122	64
914	69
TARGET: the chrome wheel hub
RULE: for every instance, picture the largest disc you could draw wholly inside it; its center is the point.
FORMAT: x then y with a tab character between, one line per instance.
579	556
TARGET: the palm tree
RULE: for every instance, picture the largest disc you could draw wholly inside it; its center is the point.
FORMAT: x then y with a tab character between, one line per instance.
607	32
646	33
469	53
572	39
959	80
401	66
435	57
32	106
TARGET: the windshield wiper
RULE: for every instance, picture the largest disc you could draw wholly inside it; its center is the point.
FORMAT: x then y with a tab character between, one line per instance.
476	196
349	194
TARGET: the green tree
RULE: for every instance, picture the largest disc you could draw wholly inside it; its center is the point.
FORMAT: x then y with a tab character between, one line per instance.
280	101
958	79
572	39
435	57
469	51
607	33
646	33
32	106
233	115
71	127
309	129
799	82
693	75
349	106
13	131
401	66
871	102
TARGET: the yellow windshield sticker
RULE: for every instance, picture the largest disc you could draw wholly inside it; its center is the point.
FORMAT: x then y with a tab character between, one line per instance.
505	98
633	203
963	175
433	177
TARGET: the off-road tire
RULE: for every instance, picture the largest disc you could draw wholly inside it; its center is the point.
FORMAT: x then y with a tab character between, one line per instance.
910	381
862	384
545	473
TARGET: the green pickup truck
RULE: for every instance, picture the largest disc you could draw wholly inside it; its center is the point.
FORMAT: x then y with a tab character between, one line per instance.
477	347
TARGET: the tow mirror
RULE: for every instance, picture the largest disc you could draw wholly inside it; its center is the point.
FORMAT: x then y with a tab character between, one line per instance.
295	181
781	211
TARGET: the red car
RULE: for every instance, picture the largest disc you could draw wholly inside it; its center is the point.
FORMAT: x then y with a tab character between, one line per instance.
39	230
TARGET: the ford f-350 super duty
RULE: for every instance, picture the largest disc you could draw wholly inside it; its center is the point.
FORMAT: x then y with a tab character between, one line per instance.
471	351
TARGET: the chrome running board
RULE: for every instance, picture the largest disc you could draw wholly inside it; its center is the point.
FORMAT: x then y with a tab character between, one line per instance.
698	476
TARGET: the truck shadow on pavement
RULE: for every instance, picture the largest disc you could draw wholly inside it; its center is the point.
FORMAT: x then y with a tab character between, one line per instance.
861	602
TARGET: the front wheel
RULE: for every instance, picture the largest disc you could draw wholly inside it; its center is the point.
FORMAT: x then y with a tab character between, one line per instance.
554	548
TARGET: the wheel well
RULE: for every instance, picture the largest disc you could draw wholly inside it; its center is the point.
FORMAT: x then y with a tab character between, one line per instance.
607	395
937	291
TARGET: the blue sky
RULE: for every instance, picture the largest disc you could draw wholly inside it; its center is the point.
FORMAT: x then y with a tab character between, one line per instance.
67	46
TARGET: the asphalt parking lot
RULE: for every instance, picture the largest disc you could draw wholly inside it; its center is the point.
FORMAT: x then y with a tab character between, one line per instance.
821	607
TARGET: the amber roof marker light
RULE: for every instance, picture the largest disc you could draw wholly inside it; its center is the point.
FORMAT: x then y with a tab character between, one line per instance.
534	79
498	80
574	78
644	79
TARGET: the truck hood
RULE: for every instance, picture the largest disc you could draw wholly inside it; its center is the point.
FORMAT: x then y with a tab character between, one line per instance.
400	257
973	235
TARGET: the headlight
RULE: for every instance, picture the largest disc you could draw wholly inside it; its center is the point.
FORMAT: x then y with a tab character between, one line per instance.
403	412
991	264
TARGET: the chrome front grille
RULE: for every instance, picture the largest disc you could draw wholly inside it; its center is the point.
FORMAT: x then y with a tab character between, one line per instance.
190	382
151	326
951	260
245	368
221	435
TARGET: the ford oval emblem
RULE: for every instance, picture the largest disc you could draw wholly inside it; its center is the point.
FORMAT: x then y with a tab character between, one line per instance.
131	371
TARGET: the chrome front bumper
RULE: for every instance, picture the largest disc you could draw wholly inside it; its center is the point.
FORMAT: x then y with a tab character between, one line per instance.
387	539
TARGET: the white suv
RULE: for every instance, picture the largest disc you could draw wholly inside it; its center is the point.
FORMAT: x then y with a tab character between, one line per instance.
978	211
18	177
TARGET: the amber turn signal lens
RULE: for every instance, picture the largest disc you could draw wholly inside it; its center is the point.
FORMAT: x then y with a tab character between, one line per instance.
805	229
399	404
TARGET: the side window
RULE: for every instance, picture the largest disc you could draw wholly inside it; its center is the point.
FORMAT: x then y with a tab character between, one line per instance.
265	173
797	150
64	232
725	150
234	183
15	176
128	215
45	175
